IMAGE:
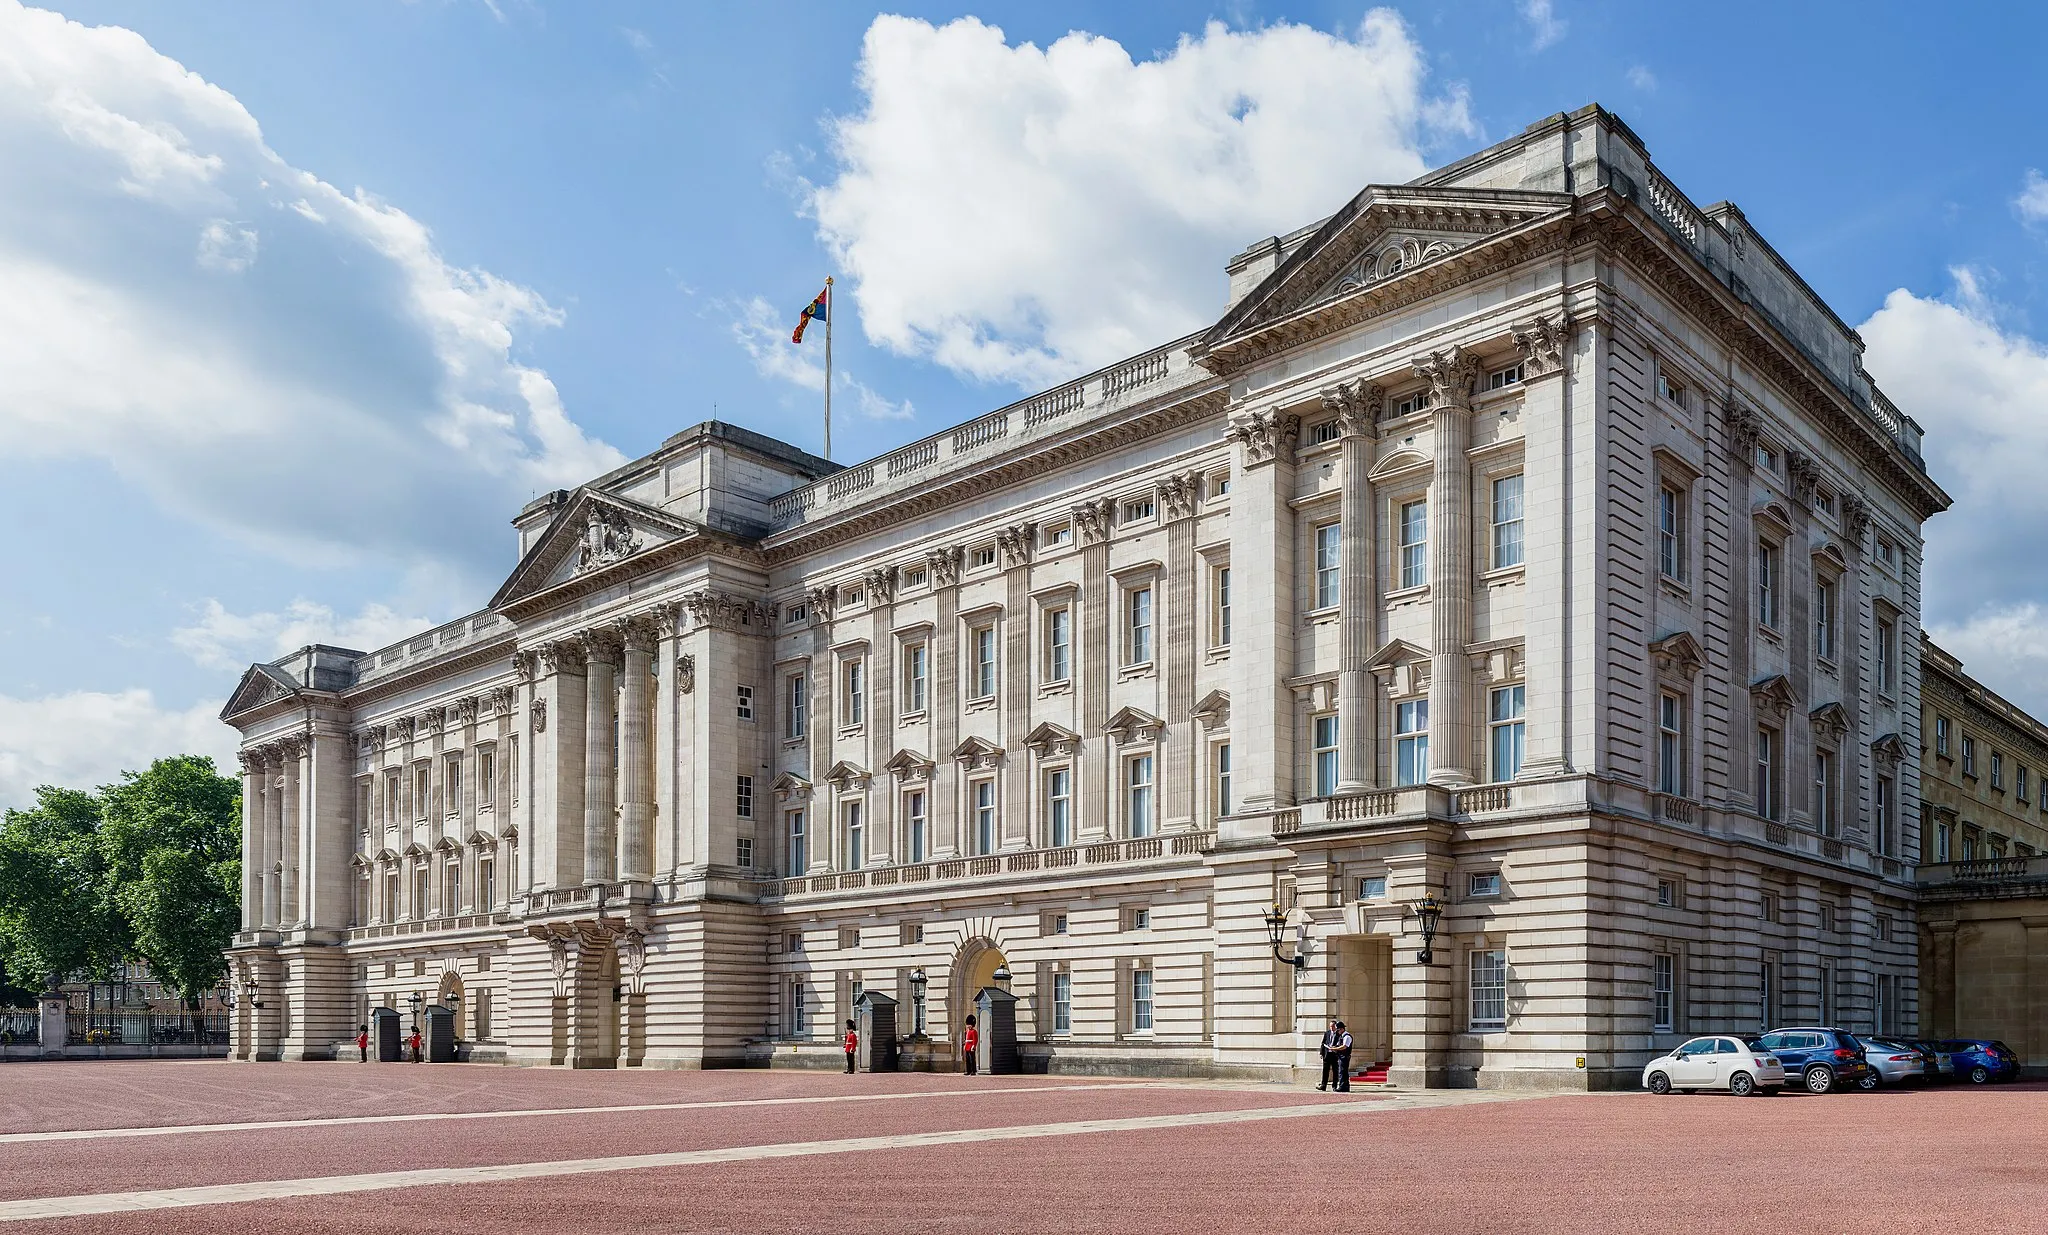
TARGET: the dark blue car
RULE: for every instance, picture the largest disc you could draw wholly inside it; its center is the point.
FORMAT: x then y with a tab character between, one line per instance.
1818	1058
1983	1060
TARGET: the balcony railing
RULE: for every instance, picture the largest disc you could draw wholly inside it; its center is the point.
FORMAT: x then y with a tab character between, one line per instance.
1021	862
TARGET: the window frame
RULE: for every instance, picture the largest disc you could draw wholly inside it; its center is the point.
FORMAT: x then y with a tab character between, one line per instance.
1327	547
743	796
916	825
916	676
1141	793
796	849
1411	744
853	679
1057	785
1058	644
984	803
1663	993
1674	757
795	706
1770	564
1412	556
1492	963
984	662
1768	785
1512	728
1139	622
1672	501
1498	540
1325	738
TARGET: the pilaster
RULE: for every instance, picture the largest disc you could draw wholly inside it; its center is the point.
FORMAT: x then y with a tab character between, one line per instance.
1549	504
636	754
1262	656
1450	374
600	774
1358	407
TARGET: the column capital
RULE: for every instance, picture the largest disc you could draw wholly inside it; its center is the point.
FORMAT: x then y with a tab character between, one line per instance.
1358	406
1544	341
1091	520
1263	434
1178	494
881	585
600	645
638	632
1450	374
945	565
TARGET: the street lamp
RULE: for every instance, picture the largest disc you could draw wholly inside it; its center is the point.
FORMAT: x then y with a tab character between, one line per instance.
1001	977
1276	934
917	984
1428	911
251	992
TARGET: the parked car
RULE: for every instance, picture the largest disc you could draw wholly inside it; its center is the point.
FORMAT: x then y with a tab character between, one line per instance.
1941	1065
1719	1062
1983	1060
1822	1057
1892	1062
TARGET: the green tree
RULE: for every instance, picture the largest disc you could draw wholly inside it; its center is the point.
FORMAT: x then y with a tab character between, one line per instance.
57	910
171	839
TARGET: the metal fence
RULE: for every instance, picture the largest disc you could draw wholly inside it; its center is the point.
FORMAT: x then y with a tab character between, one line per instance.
20	1025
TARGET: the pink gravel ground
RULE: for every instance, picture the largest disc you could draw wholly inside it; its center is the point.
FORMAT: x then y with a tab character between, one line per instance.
1903	1162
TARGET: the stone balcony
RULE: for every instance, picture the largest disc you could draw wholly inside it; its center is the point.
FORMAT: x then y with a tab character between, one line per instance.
427	926
1984	879
961	873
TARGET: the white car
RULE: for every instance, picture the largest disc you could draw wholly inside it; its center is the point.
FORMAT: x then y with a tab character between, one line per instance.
1719	1062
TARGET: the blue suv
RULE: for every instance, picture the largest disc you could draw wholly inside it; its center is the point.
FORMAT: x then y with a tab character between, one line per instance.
1983	1060
1822	1058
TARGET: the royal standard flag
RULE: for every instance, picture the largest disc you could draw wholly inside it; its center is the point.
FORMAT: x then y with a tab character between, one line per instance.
812	311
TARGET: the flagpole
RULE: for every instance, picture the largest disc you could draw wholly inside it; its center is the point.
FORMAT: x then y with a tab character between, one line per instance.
829	315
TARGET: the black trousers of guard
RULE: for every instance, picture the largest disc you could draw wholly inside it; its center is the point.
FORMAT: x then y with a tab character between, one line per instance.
849	1063
1332	1073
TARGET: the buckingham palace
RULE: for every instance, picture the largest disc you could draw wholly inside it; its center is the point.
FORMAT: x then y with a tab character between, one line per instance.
1517	585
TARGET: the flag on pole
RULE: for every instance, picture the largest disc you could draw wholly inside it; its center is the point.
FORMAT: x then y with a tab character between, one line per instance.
814	310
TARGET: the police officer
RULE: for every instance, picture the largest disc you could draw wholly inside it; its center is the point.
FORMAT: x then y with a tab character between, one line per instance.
1341	1051
1329	1049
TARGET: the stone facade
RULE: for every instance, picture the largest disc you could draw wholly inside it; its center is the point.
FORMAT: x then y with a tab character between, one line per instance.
1524	537
1983	759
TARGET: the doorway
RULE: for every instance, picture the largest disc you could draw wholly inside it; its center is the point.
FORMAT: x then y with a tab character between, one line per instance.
1365	997
974	969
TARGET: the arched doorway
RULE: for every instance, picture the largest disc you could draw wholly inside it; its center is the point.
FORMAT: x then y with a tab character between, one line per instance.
973	968
450	996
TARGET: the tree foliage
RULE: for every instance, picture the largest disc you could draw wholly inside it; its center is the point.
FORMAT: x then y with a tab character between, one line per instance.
148	869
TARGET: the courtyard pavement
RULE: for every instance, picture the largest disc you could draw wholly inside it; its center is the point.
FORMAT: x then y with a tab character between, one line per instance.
220	1147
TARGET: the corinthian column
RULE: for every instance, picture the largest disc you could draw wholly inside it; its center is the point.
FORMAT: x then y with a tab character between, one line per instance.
636	765
1358	408
252	840
600	781
273	834
1450	374
290	913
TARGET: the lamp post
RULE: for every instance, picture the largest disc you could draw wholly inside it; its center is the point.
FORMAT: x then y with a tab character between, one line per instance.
1001	977
252	992
1276	934
1428	912
917	985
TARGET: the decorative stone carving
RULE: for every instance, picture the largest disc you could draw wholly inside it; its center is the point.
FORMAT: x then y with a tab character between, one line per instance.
822	601
1855	519
1358	406
881	585
1543	342
1134	725
430	722
721	610
1050	741
600	644
1773	697
1743	426
1450	374
789	787
686	675
607	538
667	619
465	711
632	949
377	736
1678	656
1015	541
558	965
945	565
249	761
1264	434
561	655
1213	711
1888	751
1830	722
638	631
537	716
1092	520
1179	494
1805	475
978	755
401	729
909	767
501	700
525	664
847	777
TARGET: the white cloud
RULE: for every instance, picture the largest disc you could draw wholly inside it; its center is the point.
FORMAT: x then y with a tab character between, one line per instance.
88	738
348	394
2032	203
1544	26
224	640
1019	214
1978	390
763	331
1642	79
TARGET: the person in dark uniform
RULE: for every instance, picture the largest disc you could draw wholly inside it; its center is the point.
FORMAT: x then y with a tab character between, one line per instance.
1341	1049
970	1042
852	1046
1329	1050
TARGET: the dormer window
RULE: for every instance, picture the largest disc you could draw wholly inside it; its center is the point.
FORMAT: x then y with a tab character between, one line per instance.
1501	379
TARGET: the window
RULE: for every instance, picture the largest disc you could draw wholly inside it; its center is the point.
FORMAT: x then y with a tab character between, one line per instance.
1886	554
1882	927
1141	919
1329	565
1221	589
744	807
419	889
1138	626
799	854
486	882
1942	836
487	778
1824	821
1417	402
1827	919
799	1014
984	816
451	776
1411	742
2019	782
1505	730
1767	1004
853	822
793	707
984	555
1667	894
914	578
1941	736
914	657
391	913
1372	888
1671	533
1489	989
1767	772
1969	844
1997	770
795	613
1138	781
1824	619
743	852
1483	884
856	688
1500	379
1222	778
361	914
914	824
1141	1000
422	793
1325	431
1969	755
1663	972
1672	770
745	702
1062	1003
1059	637
1668	389
1059	808
1885	825
1887	657
1059	924
451	888
1137	510
1767	583
1414	544
1059	534
1507	522
1325	756
983	640
1823	501
1766	458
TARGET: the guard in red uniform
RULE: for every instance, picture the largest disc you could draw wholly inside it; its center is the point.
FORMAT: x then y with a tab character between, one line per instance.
363	1043
415	1046
971	1041
852	1046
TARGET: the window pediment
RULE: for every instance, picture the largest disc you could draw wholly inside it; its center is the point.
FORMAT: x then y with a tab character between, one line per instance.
1678	656
847	777
1773	696
1134	725
1213	711
1888	750
1398	463
789	787
1774	515
1049	740
978	754
1829	721
909	767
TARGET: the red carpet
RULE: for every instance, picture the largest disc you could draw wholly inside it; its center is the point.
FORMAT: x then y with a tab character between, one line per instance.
1375	1075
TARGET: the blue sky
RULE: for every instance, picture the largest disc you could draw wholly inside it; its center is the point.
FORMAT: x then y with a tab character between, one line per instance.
298	303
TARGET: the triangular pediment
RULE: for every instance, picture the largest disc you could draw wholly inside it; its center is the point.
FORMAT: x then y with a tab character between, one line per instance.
1386	233
1678	655
1829	720
592	534
1397	652
1134	725
1214	709
907	765
261	684
1050	740
847	776
977	753
789	787
1773	695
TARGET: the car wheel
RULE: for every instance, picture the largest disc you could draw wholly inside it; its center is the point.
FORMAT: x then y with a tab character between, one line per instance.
1820	1080
1979	1074
1660	1084
1741	1085
1870	1081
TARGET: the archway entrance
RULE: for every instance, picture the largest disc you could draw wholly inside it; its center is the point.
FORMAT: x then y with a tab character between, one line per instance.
974	968
450	996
